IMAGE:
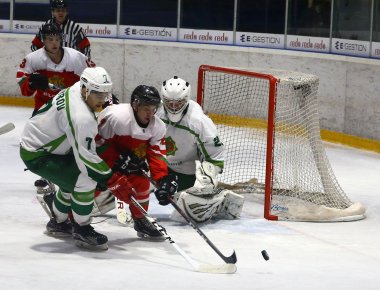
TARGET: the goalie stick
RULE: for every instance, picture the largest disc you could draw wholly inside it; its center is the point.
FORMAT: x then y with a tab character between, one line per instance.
228	259
6	128
204	268
247	186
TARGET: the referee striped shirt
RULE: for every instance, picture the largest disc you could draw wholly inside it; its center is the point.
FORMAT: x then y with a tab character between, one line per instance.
73	36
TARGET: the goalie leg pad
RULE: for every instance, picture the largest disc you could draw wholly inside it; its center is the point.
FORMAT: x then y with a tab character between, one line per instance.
224	204
232	205
198	208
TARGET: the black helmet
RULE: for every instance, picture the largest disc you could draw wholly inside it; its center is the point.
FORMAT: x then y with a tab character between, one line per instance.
51	29
145	95
58	4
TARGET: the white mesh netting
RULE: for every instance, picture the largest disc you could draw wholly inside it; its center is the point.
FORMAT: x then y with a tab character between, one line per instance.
303	185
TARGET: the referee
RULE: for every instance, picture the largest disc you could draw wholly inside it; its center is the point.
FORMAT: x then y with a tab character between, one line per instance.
73	35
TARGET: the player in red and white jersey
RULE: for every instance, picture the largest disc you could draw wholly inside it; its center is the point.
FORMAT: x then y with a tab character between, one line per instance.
44	72
132	132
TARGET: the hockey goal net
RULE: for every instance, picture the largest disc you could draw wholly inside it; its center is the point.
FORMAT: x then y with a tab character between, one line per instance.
269	124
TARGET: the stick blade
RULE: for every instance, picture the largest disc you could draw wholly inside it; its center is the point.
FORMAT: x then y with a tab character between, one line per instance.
217	269
231	259
122	215
6	128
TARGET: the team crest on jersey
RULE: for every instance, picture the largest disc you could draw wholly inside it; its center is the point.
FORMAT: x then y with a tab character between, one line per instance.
140	151
57	81
171	147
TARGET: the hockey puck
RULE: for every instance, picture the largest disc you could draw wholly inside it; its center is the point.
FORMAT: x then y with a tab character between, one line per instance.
265	255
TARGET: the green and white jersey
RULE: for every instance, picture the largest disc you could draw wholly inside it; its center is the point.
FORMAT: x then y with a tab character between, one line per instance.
193	138
66	125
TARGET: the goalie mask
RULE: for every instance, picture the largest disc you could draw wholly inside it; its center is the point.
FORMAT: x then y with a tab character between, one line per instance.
175	94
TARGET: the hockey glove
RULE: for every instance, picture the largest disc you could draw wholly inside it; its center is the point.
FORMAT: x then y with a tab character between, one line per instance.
38	81
128	163
166	188
120	187
206	181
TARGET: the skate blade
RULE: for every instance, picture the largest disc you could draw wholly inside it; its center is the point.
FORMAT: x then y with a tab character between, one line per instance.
57	234
87	246
150	238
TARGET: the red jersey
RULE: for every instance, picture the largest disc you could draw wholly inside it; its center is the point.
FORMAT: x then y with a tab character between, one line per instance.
119	130
61	75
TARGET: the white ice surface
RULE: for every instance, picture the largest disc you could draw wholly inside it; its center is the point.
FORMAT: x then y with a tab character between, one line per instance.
302	255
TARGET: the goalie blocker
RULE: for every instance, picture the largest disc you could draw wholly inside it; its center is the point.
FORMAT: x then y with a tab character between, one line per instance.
204	201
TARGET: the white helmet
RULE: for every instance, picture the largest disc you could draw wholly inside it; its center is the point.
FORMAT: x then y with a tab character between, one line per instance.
175	95
96	79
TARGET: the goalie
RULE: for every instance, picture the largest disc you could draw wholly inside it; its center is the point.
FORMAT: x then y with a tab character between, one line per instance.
196	155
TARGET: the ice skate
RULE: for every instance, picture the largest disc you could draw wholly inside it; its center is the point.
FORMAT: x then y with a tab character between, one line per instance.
55	229
45	195
87	237
146	229
44	186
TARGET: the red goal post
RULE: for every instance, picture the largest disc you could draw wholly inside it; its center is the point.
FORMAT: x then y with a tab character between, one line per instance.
268	121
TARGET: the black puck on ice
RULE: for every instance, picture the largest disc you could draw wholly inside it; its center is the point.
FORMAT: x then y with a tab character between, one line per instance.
265	255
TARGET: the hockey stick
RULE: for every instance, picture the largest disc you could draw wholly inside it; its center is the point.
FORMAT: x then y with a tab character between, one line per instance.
229	260
6	128
44	205
204	268
122	216
247	186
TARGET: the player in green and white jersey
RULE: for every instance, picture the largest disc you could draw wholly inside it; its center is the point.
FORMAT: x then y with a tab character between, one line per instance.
195	154
58	144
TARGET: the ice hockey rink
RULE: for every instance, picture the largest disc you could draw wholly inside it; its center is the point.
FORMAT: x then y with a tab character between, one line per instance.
302	255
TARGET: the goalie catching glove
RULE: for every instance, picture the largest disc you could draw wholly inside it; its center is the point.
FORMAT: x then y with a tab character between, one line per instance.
206	181
120	187
166	188
38	82
128	163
